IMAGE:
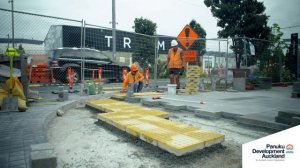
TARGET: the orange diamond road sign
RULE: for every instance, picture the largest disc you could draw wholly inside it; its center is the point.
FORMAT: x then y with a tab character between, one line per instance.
190	55
187	36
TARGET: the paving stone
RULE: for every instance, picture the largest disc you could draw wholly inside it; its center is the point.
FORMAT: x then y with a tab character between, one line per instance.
295	121
174	107
3	159
295	95
28	142
4	143
16	163
16	157
4	165
4	151
16	153
289	113
43	158
207	114
16	142
41	146
296	87
133	99
283	120
19	166
231	116
63	96
150	102
16	149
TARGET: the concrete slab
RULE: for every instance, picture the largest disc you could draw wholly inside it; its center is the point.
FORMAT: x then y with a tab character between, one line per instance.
43	158
41	146
150	126
207	114
241	103
295	121
266	120
150	102
296	87
288	113
283	120
174	107
234	105
122	96
133	99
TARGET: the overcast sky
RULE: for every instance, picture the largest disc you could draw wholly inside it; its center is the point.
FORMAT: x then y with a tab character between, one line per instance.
170	15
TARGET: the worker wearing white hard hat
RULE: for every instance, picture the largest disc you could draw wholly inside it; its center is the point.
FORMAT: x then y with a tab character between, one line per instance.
176	63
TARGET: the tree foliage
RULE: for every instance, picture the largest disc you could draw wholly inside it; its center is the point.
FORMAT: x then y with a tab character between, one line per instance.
240	18
199	45
144	54
278	58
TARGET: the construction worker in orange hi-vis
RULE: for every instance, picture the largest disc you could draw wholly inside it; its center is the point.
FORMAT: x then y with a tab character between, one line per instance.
134	77
176	63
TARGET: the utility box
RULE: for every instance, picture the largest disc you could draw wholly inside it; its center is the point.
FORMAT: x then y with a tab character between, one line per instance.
239	79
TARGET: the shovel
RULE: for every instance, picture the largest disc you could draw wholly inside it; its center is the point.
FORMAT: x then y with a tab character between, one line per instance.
10	103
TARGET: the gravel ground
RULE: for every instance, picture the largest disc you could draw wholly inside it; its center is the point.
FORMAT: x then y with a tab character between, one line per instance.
81	141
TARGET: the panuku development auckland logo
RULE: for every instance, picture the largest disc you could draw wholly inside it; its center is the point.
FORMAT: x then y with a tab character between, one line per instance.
289	149
273	152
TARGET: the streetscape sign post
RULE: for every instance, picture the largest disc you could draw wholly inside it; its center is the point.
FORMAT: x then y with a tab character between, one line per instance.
187	37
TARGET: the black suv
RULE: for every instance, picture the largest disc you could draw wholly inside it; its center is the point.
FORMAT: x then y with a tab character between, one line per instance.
84	58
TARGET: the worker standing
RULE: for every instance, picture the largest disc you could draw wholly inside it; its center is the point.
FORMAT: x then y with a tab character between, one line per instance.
134	77
176	63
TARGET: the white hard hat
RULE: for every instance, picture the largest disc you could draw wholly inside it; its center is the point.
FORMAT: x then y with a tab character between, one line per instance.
174	43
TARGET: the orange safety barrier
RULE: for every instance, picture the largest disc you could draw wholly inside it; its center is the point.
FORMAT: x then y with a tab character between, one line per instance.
52	77
70	77
39	73
100	74
124	72
147	77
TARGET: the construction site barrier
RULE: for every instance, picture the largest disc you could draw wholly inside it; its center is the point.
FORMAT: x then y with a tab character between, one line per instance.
70	77
147	77
124	72
38	73
100	74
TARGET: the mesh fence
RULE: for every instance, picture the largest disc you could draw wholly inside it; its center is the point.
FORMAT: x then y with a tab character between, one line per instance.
38	36
64	49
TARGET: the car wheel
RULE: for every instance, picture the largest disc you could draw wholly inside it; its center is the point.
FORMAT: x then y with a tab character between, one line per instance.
76	76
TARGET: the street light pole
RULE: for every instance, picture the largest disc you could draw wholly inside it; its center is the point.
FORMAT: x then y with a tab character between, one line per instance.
114	29
12	22
7	40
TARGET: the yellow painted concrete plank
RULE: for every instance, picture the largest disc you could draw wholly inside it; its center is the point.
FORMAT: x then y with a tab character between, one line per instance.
171	125
209	137
149	125
166	139
123	95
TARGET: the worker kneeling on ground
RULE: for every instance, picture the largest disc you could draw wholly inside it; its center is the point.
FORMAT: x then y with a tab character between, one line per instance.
134	77
176	63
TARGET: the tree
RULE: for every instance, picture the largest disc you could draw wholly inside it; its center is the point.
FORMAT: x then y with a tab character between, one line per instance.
279	73
199	45
240	18
145	52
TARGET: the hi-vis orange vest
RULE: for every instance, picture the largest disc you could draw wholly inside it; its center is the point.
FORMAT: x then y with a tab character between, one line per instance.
175	59
132	78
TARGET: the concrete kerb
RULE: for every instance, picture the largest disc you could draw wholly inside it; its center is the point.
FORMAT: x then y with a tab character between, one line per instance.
214	114
263	124
207	114
229	115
